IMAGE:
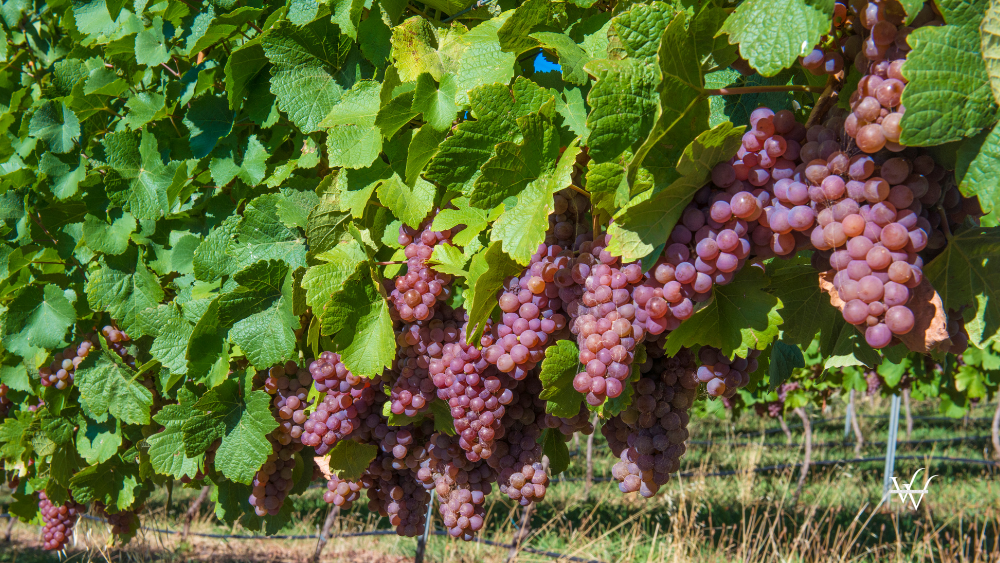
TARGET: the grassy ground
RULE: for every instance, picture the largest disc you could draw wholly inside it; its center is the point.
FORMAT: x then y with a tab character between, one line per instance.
744	517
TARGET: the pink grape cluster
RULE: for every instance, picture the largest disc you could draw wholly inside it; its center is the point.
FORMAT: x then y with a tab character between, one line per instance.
61	371
829	60
58	521
394	492
533	312
476	393
346	405
462	485
520	473
417	293
606	329
273	480
722	376
776	409
341	492
290	386
649	436
567	223
419	345
123	523
579	422
117	342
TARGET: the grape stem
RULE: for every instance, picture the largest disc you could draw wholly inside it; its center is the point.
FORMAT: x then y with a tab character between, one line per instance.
944	223
392	263
822	105
739	90
578	189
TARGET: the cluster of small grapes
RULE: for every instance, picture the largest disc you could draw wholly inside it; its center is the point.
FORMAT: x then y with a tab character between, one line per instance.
876	109
417	292
341	492
117	342
347	403
567	223
58	521
722	376
462	485
607	328
518	456
648	437
579	422
273	481
60	372
827	57
290	386
394	492
775	409
419	345
475	391
5	401
123	523
533	312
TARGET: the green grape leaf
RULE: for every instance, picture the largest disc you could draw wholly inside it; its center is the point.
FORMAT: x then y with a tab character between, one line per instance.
784	359
682	112
436	103
848	348
37	317
138	180
151	45
948	95
171	345
414	48
522	226
242	66
981	178
113	483
306	61
806	309
249	164
123	290
555	448
394	115
166	448
108	387
97	442
241	421
740	317
772	34
358	319
475	220
207	346
108	239
560	366
260	314
423	146
571	57
262	236
57	125
647	221
964	274
623	106
990	45
350	459
209	119
324	280
488	270
353	140
517	165
411	205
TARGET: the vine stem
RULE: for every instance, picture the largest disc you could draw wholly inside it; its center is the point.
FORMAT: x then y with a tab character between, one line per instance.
389	263
578	189
739	90
944	223
822	105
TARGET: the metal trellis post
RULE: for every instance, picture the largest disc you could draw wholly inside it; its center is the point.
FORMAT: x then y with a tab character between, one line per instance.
847	416
422	542
890	447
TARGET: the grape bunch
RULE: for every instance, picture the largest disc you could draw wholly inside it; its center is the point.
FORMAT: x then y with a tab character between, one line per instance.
517	461
117	342
5	401
58	521
648	437
273	481
723	376
290	386
395	492
419	345
579	422
416	293
461	485
568	220
532	306
123	523
475	391
775	409
60	372
341	492
606	329
876	109
346	405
